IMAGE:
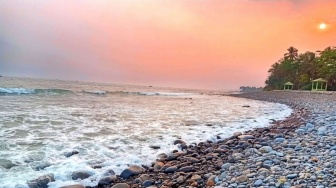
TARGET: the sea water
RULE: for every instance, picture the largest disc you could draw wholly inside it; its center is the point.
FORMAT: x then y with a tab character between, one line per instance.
112	126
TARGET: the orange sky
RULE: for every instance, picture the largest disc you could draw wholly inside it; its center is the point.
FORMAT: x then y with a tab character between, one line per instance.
213	44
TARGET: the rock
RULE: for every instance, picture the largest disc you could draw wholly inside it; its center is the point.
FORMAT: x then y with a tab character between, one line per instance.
71	153
245	137
131	171
121	185
309	127
226	166
242	179
80	175
7	164
258	183
192	159
147	183
171	169
106	180
195	177
154	147
266	149
236	134
300	131
39	165
144	177
279	140
186	169
321	131
41	182
157	166
210	183
109	173
180	179
291	176
162	156
179	142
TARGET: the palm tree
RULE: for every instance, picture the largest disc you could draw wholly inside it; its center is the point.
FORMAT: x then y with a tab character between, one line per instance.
292	53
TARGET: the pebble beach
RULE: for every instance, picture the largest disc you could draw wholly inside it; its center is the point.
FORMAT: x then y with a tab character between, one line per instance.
299	151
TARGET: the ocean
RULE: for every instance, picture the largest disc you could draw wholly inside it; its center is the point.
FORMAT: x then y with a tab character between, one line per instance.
58	127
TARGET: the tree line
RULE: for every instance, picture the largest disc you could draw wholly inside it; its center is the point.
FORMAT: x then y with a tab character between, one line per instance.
302	68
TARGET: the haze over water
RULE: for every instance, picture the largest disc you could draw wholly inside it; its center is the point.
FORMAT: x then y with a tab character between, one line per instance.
112	126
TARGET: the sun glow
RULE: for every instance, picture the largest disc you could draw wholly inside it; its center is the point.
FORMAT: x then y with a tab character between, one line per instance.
322	26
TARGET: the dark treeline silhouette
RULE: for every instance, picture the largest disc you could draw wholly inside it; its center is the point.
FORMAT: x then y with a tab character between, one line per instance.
301	69
249	88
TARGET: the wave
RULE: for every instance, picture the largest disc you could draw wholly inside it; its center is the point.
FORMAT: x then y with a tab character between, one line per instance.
163	94
20	91
145	93
96	92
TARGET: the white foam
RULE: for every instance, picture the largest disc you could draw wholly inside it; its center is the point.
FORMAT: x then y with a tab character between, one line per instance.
165	94
16	90
96	92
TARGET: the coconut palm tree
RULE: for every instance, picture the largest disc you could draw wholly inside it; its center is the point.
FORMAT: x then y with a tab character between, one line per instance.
292	53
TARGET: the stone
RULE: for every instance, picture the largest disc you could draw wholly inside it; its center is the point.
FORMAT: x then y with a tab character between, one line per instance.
41	182
245	137
80	175
196	177
155	147
258	183
242	179
121	185
236	134
186	169
226	166
300	131
291	176
171	169
147	183
179	142
131	171
266	149
158	166
144	177
210	183
180	179
71	153
321	131
7	164
193	160
39	165
279	140
106	180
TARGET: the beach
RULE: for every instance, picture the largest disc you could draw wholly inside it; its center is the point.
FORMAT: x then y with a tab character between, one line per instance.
296	152
254	139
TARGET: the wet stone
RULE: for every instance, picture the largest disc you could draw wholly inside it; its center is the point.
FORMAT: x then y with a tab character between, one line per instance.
41	182
80	175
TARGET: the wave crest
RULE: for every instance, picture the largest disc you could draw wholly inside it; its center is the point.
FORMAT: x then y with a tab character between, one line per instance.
19	91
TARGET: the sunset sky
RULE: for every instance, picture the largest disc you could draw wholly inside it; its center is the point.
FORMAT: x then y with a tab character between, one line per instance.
210	44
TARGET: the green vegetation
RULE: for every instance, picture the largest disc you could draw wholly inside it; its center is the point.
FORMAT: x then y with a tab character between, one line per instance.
301	69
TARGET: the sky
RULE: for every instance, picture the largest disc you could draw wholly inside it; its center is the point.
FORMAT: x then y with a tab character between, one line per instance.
204	44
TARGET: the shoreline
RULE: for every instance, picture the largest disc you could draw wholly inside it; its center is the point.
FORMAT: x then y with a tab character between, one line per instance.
269	156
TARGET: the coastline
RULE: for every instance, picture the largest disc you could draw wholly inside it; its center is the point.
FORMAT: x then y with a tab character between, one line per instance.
291	152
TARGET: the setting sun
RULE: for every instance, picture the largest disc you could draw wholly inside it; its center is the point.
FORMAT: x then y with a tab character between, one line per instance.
322	26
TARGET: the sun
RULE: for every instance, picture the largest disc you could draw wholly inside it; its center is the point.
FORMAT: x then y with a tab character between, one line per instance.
322	26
